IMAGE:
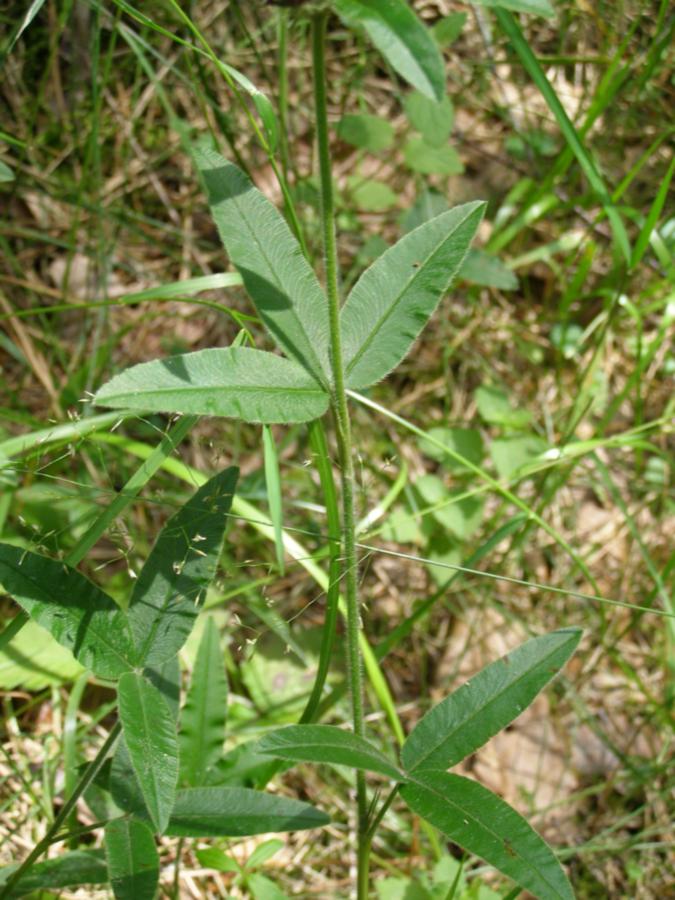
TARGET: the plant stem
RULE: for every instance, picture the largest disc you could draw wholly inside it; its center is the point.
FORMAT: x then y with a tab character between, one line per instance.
66	809
341	410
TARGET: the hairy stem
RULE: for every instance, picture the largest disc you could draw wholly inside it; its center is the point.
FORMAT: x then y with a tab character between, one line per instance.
341	410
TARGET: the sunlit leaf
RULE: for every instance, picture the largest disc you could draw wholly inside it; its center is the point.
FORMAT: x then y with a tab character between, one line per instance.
486	703
480	822
238	382
394	298
276	274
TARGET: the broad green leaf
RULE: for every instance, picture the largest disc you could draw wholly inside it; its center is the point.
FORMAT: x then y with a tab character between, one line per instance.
273	485
124	785
475	712
66	870
484	269
513	453
202	720
482	823
276	274
449	29
371	195
6	173
495	407
422	157
366	131
133	861
224	381
74	610
237	812
35	660
327	744
172	584
401	38
432	118
536	7
394	298
150	734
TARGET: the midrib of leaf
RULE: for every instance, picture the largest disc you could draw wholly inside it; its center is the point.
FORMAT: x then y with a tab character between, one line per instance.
500	840
102	637
479	710
272	389
394	306
280	286
159	612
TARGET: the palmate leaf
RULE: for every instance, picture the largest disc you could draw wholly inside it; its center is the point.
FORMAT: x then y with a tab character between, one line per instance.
237	812
394	298
278	278
172	584
482	823
77	613
327	744
202	720
475	712
133	861
224	381
150	735
401	38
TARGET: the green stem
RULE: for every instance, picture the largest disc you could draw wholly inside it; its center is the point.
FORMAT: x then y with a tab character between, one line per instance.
66	810
343	429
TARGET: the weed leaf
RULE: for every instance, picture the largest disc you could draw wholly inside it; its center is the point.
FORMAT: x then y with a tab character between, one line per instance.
202	721
482	823
224	381
237	812
133	861
76	868
327	744
475	712
394	298
150	735
277	276
401	38
77	613
172	584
